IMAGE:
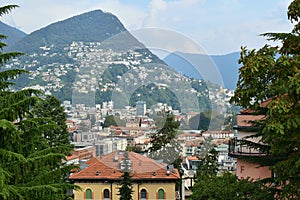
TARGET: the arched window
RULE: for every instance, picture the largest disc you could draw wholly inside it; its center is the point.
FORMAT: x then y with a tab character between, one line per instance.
88	194
161	194
143	194
106	194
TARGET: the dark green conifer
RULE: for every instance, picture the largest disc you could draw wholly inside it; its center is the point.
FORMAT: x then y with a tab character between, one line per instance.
125	191
28	170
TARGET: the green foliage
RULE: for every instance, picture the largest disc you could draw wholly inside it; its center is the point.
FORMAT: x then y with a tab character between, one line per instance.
272	73
112	120
54	118
29	168
125	191
163	143
208	120
152	94
112	72
228	187
100	26
208	166
166	134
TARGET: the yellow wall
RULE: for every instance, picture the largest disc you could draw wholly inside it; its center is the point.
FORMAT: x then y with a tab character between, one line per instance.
151	188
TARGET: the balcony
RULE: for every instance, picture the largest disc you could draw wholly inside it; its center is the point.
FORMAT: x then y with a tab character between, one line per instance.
236	150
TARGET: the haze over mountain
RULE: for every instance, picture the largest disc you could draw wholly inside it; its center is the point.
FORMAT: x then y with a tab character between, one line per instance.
199	65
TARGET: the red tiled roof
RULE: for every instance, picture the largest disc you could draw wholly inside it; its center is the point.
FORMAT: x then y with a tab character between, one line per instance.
262	105
97	170
193	158
71	157
108	167
246	120
192	143
189	134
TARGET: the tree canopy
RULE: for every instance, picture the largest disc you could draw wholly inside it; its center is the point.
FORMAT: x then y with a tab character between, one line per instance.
30	166
125	191
269	84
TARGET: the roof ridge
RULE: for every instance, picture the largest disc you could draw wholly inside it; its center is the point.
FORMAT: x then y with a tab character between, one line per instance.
91	165
149	159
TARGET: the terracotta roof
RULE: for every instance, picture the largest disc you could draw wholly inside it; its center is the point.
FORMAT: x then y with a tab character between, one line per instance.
193	158
71	157
192	143
263	104
108	167
245	120
189	134
97	170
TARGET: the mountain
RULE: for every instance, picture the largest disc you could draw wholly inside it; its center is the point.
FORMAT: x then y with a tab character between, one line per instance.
94	26
91	58
207	67
14	35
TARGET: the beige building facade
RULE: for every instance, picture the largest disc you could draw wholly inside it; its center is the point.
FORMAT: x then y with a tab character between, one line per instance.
101	179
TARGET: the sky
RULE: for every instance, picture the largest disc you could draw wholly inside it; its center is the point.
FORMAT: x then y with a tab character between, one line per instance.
218	26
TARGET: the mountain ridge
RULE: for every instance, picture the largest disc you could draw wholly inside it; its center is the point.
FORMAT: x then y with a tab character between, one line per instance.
195	65
14	34
73	63
86	27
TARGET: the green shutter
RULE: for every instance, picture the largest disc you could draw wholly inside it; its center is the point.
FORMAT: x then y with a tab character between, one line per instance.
88	194
161	194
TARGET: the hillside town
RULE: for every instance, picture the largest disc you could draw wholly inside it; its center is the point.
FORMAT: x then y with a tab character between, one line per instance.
93	140
90	113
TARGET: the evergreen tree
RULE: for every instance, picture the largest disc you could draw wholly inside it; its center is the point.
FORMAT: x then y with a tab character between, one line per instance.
125	191
166	134
54	117
27	171
208	166
271	75
164	146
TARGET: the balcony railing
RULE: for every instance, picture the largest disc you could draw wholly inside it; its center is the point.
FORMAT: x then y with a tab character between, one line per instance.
236	149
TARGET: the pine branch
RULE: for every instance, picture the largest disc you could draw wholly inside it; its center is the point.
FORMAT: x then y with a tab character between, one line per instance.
58	149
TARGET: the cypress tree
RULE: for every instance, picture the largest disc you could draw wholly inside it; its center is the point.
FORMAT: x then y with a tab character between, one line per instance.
125	191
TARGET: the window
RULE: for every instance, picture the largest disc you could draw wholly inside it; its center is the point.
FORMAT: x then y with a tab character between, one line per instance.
106	194
88	194
161	194
143	194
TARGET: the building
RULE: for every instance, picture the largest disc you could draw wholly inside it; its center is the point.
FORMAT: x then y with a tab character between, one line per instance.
242	152
104	145
225	162
150	179
140	108
85	153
